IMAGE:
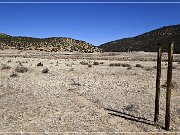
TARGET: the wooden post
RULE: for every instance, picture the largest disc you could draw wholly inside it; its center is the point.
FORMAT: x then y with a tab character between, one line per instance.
169	86
158	77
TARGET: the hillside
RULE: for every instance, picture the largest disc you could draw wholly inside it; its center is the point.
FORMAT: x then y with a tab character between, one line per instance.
45	44
147	42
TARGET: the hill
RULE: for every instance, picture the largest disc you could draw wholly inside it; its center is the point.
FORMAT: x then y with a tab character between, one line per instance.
45	44
147	42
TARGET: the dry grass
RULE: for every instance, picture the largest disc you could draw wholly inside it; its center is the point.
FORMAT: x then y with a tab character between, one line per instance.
45	70
21	69
73	101
40	64
89	65
149	68
84	63
4	66
119	64
96	63
115	64
129	68
174	84
139	65
14	74
9	61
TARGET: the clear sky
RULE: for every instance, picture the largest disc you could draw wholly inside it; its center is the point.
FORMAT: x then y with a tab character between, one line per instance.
93	23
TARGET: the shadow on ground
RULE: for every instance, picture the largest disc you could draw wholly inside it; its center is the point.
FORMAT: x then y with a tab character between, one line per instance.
132	117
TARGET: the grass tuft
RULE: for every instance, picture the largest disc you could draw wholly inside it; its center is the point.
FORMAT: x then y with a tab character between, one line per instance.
14	74
139	65
21	69
84	63
95	63
45	70
40	64
120	64
4	66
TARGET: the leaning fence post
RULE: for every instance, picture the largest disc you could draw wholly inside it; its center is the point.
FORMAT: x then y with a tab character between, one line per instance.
169	85
158	77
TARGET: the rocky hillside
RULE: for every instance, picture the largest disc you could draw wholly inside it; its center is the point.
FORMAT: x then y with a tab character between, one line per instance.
45	44
147	42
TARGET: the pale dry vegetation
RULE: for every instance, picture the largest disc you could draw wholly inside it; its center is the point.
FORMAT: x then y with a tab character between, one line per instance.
76	95
4	66
21	69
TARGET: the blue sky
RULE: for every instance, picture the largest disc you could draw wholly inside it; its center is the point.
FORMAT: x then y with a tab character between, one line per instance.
93	23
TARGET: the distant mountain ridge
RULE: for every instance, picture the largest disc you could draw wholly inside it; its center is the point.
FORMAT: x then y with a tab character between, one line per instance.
147	42
46	44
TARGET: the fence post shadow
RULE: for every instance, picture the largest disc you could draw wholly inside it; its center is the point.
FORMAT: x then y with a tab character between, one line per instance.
133	118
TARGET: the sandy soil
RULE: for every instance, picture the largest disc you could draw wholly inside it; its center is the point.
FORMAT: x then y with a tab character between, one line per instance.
73	97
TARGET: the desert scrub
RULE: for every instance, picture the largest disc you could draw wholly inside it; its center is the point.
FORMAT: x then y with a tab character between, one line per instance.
129	68
4	66
115	64
57	63
19	63
14	74
71	69
45	70
125	65
24	61
139	65
131	108
40	64
21	69
95	63
84	63
120	64
9	61
101	62
173	85
89	65
149	68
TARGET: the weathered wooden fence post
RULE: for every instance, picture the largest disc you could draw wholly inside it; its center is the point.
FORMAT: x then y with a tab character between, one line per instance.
158	78
169	85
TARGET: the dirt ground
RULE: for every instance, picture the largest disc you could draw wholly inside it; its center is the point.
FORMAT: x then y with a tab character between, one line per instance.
78	96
